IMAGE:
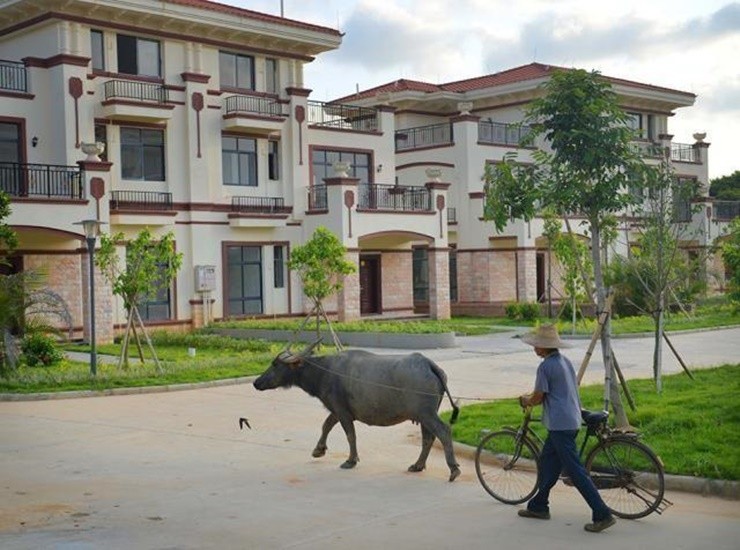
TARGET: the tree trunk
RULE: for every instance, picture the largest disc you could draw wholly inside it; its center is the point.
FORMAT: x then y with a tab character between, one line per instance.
611	387
658	352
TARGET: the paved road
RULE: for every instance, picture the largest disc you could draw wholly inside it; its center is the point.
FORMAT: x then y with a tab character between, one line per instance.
173	470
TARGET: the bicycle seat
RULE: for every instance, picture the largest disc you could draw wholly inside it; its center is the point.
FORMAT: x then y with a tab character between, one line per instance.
593	418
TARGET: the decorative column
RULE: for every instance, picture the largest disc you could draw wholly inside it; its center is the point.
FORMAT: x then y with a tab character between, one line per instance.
439	283
348	299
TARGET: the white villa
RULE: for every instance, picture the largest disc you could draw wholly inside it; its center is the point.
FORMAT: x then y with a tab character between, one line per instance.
210	133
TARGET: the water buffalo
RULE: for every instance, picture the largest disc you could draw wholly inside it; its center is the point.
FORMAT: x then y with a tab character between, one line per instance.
379	390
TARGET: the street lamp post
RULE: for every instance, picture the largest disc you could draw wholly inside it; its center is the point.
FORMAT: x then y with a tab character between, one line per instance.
92	230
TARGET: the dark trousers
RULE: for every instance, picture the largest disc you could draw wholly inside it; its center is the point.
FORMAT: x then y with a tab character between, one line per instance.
559	454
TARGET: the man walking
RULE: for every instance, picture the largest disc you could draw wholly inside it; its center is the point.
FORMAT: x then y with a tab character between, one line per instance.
556	389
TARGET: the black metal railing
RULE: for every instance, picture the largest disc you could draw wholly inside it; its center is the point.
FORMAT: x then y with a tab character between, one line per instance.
13	76
424	136
647	149
138	91
500	133
254	104
374	196
317	198
451	214
684	152
259	205
343	117
726	210
50	181
140	200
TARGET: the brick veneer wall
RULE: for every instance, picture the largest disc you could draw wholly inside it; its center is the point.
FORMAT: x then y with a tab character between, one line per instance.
397	281
61	274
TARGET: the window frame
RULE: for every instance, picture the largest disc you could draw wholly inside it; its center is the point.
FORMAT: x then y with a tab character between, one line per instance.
252	161
325	165
272	77
136	54
273	160
243	299
278	264
250	85
98	49
143	148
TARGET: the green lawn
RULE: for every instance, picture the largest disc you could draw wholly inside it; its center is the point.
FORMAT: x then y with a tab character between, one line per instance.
694	426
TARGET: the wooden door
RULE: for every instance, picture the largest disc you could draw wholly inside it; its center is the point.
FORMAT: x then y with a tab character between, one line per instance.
369	284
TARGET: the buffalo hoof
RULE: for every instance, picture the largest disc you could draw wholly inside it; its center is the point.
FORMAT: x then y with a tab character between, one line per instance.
318	452
348	464
454	472
416	468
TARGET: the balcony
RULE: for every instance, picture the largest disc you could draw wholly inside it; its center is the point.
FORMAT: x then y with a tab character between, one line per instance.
421	137
684	152
13	77
317	198
42	181
140	200
726	211
258	114
394	198
337	116
141	208
499	133
258	212
135	100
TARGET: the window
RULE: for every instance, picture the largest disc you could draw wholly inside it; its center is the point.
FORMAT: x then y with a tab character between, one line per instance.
421	274
453	275
684	189
142	154
10	142
239	161
273	160
634	122
156	306
237	71
323	164
97	50
138	56
278	260
271	76
101	135
244	284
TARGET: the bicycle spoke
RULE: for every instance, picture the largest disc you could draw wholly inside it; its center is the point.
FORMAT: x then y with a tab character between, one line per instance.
506	465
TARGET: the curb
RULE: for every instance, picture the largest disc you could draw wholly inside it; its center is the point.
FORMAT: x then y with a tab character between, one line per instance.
722	488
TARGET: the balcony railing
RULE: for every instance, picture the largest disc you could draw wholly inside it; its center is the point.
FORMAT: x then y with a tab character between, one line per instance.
424	136
13	76
684	152
394	197
726	210
254	104
343	117
259	205
500	133
42	180
138	91
317	199
647	149
140	200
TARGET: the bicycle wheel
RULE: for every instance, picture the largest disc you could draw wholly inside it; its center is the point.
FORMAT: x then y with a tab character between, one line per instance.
628	476
507	466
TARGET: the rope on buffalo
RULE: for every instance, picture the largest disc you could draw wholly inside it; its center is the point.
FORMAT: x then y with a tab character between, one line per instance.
388	386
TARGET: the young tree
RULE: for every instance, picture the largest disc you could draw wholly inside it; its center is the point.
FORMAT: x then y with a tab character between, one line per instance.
658	265
321	264
587	168
151	265
731	256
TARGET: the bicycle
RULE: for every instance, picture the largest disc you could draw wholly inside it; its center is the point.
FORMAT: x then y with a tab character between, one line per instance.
627	473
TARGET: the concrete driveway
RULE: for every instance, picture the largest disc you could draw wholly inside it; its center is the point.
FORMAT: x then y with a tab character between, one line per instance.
173	470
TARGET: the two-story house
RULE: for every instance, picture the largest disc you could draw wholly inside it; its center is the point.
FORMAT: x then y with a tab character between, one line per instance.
455	129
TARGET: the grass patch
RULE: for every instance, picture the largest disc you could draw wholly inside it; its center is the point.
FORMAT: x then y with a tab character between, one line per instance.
694	426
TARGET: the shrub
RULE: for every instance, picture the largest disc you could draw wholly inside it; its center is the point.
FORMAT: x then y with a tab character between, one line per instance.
40	350
523	311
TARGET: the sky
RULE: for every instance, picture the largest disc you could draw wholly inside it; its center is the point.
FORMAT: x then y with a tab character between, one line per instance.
687	45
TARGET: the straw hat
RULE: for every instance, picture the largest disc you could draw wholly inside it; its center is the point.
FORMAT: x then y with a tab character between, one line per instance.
546	336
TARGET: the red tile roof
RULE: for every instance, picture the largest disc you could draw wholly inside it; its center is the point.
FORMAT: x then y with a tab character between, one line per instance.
532	71
242	12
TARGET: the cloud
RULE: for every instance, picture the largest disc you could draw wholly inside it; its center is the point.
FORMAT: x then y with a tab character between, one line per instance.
725	20
724	99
